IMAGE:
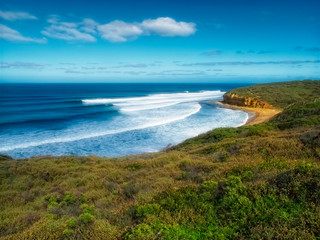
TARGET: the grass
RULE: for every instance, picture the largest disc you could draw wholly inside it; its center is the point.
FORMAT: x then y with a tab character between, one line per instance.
282	94
251	182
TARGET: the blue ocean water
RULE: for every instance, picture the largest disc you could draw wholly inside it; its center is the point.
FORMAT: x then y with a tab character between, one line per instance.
107	119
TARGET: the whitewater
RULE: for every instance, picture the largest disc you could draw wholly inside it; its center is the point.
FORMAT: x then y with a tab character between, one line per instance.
109	123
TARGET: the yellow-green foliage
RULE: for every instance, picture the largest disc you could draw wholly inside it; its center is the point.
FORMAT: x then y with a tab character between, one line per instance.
282	94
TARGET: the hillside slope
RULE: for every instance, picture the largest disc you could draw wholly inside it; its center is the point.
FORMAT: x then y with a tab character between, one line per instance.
250	182
278	95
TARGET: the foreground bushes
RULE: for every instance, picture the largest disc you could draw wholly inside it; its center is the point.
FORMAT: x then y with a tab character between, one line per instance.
299	115
285	207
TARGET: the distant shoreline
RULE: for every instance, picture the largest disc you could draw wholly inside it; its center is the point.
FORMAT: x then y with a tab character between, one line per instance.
260	115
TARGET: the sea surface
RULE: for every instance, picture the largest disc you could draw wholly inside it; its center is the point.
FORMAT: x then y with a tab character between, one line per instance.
108	119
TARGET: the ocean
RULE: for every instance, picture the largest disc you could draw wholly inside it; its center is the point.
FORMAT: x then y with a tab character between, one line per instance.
108	119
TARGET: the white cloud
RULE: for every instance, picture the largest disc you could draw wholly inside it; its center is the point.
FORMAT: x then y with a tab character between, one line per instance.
11	16
89	26
87	29
115	31
54	19
119	31
68	30
168	27
14	36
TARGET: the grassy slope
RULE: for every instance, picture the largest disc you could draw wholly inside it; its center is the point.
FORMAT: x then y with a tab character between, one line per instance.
282	94
255	182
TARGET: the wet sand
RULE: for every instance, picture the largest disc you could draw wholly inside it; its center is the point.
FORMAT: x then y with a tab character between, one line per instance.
261	115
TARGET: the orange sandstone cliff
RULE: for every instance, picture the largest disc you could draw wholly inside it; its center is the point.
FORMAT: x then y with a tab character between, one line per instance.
234	99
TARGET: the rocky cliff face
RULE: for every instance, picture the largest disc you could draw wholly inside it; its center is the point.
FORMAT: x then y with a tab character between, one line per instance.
234	99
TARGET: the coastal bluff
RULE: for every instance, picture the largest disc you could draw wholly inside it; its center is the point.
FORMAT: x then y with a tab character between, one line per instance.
234	99
278	95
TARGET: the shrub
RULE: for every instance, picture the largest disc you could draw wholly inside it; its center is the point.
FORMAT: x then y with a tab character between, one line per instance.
191	174
213	136
51	216
147	209
221	156
83	198
209	186
67	232
52	205
45	175
29	218
71	222
131	189
112	186
234	148
311	137
86	218
27	196
69	198
254	130
84	206
274	163
134	166
248	175
305	167
240	171
87	209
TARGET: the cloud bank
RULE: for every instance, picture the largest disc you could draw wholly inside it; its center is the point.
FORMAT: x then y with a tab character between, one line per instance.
12	16
119	31
14	36
70	31
168	27
28	65
116	31
235	63
88	30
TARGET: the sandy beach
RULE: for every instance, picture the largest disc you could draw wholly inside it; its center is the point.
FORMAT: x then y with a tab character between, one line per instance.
261	115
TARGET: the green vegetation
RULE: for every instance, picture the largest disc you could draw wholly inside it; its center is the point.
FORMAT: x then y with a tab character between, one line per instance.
285	206
282	94
251	182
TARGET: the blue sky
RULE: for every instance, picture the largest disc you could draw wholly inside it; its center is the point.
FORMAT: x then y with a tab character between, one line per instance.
159	41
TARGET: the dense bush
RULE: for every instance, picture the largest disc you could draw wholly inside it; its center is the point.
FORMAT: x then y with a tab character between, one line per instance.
298	115
289	203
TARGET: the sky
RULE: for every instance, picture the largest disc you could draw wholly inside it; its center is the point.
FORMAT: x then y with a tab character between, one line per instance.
159	41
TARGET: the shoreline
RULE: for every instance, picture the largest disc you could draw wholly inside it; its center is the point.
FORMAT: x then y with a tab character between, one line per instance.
255	116
260	115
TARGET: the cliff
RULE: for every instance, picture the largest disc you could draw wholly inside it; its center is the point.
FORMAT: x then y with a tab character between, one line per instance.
274	95
234	99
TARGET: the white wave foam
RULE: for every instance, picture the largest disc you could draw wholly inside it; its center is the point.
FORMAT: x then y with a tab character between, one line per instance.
230	111
244	121
196	108
135	108
154	101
